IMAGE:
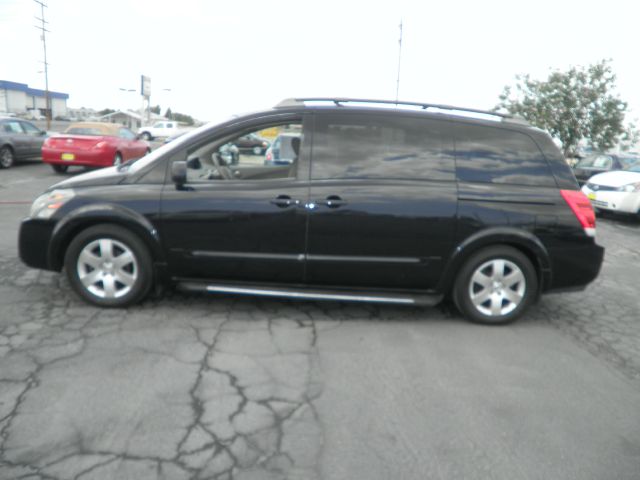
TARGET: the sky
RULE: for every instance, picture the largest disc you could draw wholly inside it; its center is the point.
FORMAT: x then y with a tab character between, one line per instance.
212	59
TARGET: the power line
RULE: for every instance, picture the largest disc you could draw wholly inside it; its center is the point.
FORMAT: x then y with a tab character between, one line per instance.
43	36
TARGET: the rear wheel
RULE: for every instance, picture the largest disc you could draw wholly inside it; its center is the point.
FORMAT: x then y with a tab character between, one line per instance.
117	159
109	266
7	158
257	150
495	285
146	136
60	168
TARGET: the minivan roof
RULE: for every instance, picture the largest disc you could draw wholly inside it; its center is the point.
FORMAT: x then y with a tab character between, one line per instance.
340	102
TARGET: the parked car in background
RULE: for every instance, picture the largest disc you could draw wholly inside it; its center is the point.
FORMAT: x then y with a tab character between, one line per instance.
92	144
602	162
616	191
158	130
282	151
378	204
19	140
252	143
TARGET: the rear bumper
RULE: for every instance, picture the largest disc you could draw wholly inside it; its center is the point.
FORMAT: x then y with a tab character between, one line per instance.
87	158
34	239
575	267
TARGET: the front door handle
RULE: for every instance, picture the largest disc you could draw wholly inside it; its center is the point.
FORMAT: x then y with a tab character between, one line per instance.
284	201
332	201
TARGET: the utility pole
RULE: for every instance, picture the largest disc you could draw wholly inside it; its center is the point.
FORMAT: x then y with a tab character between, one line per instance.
44	31
399	58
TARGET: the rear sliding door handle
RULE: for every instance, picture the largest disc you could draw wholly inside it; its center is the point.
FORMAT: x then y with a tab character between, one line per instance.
284	201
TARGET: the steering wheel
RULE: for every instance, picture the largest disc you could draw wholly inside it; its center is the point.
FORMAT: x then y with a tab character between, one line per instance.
225	171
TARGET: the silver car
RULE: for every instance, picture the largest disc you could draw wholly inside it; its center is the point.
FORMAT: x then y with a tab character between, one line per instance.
19	140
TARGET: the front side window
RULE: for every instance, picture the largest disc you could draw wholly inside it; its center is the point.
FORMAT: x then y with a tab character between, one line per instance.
226	159
126	134
30	128
354	146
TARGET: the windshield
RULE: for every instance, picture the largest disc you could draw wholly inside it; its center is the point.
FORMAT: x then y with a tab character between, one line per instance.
595	161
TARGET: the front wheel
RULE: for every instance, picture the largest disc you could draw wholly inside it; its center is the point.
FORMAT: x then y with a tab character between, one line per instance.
7	158
109	266
257	150
146	136
495	285
117	160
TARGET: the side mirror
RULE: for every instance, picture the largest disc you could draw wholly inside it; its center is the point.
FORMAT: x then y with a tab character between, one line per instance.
179	174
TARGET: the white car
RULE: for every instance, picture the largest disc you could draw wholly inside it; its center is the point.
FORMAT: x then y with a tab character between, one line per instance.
617	191
158	130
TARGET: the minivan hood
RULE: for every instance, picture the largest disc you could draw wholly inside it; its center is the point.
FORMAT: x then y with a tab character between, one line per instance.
616	178
103	176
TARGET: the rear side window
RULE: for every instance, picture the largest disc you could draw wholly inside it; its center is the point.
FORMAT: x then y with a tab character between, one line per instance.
496	155
377	146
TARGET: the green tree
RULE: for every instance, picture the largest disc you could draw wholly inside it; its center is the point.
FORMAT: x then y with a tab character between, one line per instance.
105	111
168	114
573	105
155	109
183	118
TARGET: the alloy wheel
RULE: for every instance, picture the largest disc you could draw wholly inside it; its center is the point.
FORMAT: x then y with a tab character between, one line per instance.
497	287
107	268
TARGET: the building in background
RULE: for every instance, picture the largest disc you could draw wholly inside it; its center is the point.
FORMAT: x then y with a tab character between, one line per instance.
20	99
129	119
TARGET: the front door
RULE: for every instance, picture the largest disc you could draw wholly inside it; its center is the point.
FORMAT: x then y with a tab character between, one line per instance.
238	217
384	201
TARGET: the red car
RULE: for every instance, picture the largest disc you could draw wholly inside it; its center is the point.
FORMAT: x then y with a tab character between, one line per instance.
92	144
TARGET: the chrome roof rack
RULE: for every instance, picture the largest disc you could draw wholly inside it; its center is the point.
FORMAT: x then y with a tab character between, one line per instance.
341	102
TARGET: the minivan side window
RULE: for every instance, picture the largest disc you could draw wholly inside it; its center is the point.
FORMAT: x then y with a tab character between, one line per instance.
227	159
382	146
498	155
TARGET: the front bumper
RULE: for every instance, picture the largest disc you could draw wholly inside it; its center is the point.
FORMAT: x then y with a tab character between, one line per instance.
34	240
623	202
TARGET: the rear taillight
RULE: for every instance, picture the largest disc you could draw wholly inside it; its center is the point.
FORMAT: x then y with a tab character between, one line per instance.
582	209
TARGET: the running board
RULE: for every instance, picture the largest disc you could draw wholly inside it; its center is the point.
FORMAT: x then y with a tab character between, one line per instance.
309	294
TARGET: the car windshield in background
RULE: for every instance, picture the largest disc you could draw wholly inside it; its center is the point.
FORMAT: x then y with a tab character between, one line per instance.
629	162
84	131
595	161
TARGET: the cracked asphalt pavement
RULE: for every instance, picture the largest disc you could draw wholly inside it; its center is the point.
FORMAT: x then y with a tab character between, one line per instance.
220	387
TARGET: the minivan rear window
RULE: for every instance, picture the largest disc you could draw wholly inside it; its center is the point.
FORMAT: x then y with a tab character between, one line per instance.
377	146
498	155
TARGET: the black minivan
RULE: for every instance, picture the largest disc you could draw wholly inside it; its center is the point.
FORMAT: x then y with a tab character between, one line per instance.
383	202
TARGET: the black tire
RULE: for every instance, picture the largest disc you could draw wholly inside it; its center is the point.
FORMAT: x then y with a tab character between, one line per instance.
60	168
7	157
506	301
117	159
121	241
146	136
257	150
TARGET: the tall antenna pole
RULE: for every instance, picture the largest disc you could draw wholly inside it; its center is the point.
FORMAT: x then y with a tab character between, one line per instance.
44	31
399	58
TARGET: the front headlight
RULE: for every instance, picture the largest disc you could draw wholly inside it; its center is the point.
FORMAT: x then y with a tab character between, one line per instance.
48	203
632	187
